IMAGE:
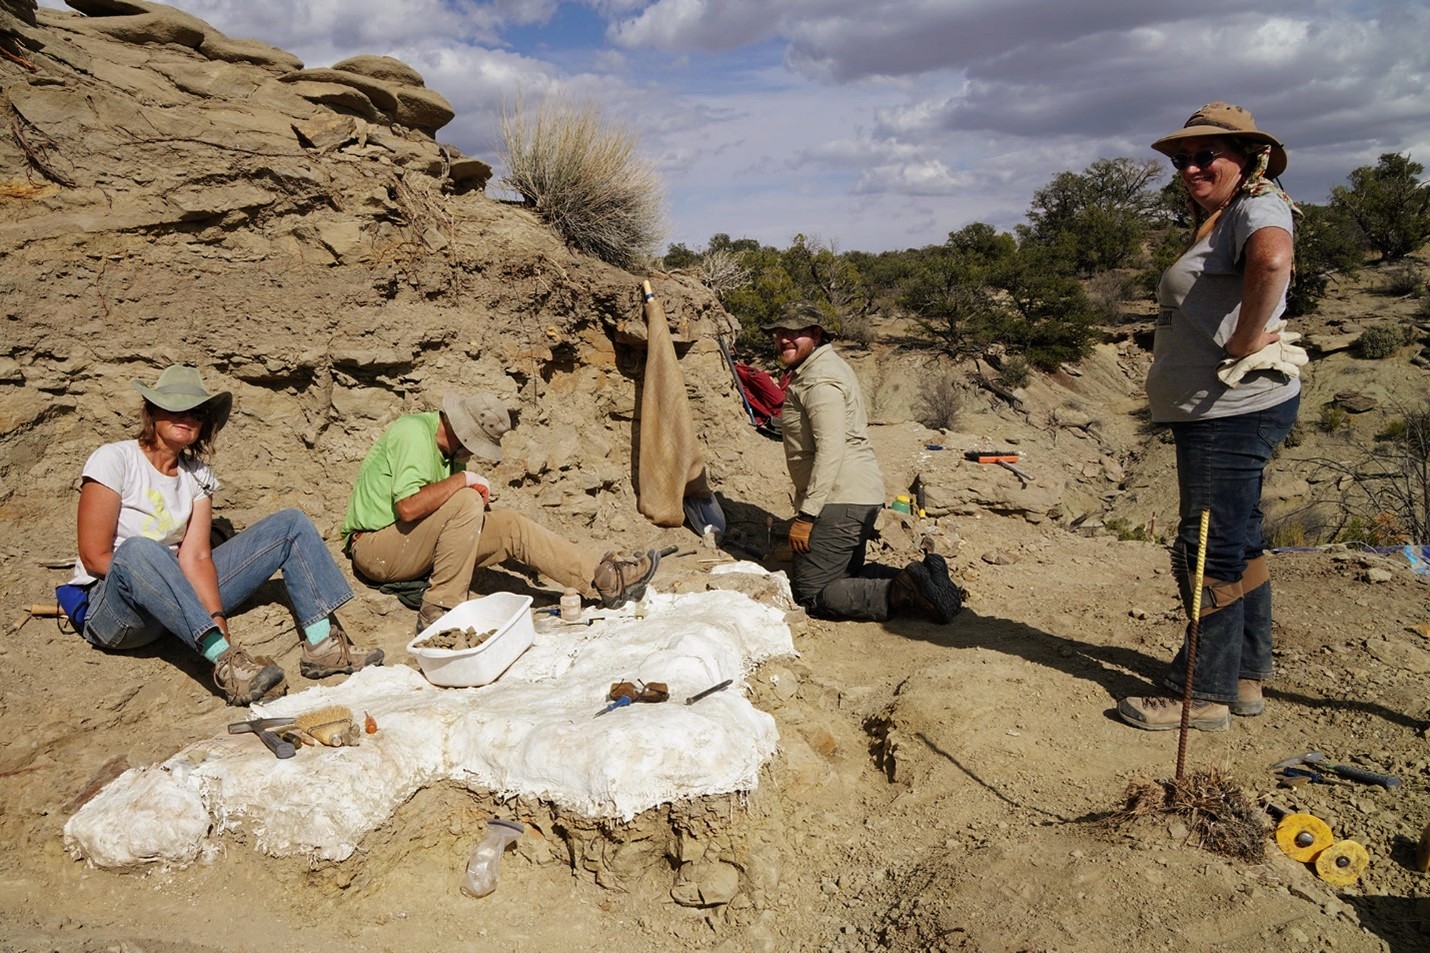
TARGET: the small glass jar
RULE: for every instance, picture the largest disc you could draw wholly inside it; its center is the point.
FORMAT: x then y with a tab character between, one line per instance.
571	606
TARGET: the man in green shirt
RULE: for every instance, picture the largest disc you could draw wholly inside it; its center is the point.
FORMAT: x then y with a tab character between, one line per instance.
411	515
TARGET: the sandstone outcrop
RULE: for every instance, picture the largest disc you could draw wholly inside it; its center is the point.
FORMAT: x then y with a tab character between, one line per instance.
170	194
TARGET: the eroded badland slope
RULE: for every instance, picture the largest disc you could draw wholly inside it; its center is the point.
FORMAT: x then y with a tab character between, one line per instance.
169	194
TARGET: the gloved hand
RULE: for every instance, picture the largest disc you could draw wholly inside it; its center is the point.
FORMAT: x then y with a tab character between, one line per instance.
479	484
1284	356
799	532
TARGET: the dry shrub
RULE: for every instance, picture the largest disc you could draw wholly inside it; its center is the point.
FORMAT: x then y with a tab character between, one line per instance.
1401	281
1381	340
583	177
1107	291
858	330
722	272
940	402
1219	815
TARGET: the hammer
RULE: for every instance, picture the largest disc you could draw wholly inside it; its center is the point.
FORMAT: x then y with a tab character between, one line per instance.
260	726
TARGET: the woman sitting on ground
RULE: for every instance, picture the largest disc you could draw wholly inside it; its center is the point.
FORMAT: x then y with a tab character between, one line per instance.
145	513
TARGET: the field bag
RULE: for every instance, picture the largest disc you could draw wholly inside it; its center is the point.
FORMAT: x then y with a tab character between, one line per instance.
74	603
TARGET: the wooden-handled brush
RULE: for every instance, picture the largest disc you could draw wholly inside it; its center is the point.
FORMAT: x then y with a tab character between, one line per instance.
333	726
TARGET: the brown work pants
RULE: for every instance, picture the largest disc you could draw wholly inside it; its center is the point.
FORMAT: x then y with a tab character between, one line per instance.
462	537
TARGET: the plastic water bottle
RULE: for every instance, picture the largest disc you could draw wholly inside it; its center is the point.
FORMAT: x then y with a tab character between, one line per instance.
482	869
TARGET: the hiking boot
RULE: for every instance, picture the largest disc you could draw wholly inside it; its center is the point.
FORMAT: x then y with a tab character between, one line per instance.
916	589
336	655
937	568
244	678
428	614
621	578
1162	712
1249	701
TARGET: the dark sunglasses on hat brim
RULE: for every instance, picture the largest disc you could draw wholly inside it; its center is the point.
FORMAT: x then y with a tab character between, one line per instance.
1200	159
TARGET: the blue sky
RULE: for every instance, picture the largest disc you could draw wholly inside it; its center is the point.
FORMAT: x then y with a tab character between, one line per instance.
882	124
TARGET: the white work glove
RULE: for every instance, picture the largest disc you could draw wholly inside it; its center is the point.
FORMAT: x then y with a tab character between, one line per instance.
1283	355
480	484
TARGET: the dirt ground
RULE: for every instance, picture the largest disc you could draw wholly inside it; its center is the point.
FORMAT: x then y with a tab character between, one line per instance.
939	788
936	788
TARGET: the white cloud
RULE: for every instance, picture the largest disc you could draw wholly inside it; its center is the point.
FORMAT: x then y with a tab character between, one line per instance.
925	177
698	24
882	123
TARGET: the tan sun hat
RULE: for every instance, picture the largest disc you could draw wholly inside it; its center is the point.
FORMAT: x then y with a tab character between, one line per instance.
1224	119
479	422
180	388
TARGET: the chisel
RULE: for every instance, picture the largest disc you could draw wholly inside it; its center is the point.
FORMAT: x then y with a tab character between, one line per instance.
710	691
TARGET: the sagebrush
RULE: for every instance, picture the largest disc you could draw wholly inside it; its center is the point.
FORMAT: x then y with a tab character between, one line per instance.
583	177
1381	341
940	402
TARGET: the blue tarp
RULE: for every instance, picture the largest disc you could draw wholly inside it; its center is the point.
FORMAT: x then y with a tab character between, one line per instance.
1417	553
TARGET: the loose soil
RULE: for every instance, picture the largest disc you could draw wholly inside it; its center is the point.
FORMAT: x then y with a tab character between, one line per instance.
937	787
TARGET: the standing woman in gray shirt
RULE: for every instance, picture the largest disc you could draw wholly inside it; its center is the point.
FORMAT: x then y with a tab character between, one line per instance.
1221	303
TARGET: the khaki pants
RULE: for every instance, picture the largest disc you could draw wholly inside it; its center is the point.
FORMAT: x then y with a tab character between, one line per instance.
462	537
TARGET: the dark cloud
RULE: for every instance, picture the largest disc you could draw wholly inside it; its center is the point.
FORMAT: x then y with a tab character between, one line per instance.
874	121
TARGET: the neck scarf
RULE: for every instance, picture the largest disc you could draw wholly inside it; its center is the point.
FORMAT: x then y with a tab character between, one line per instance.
1253	182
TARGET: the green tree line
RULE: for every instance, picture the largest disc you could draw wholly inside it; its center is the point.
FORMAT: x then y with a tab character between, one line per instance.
1026	294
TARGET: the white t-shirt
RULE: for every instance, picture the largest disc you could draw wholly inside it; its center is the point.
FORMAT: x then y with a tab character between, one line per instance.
1200	299
151	504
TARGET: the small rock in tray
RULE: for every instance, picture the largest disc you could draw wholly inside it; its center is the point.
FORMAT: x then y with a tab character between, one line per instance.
454	638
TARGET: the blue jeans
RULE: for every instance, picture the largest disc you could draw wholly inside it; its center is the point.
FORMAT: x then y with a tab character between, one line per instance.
1221	467
146	594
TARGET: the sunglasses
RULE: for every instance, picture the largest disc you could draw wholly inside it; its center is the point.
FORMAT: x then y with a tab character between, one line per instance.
200	413
1200	159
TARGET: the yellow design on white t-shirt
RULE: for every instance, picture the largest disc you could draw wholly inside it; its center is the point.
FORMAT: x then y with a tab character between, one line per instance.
159	523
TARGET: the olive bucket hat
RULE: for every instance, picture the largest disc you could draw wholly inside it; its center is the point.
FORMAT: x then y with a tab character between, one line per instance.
800	314
180	388
1224	119
479	422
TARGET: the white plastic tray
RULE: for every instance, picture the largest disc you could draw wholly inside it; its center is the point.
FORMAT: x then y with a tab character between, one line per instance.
507	612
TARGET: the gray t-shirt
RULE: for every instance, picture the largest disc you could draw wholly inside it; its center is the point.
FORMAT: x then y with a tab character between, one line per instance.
1200	301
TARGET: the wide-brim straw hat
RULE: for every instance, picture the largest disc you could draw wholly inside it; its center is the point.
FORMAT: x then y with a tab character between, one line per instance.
479	422
1224	119
181	388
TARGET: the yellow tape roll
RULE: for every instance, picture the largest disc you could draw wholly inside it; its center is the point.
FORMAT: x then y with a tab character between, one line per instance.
1303	836
1341	864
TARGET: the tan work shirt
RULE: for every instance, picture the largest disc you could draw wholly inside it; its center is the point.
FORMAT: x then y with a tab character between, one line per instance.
826	436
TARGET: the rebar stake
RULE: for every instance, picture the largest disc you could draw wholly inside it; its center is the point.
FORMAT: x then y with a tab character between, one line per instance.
1193	630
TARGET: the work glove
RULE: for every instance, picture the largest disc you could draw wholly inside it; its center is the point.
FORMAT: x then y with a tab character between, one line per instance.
1284	356
480	484
799	532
